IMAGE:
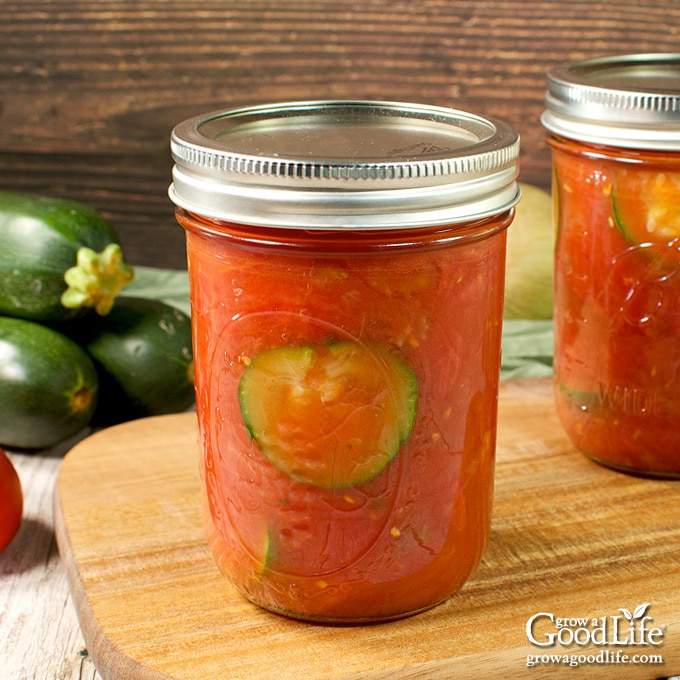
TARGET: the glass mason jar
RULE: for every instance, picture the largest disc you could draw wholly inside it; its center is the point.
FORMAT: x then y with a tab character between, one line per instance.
615	139
346	264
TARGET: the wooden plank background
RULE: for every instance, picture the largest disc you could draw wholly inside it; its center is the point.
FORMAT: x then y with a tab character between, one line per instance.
90	89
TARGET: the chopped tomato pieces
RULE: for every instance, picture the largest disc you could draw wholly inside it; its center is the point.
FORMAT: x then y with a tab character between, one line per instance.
617	317
347	399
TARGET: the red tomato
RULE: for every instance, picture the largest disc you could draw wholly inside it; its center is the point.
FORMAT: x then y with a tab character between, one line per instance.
11	501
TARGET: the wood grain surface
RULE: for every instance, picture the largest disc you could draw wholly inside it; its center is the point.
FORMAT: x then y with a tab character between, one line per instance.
568	537
40	638
89	91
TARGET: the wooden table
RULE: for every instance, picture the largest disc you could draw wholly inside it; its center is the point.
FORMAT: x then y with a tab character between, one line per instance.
89	92
40	637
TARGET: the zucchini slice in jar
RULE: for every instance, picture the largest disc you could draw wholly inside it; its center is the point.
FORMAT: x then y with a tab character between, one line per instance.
331	416
646	205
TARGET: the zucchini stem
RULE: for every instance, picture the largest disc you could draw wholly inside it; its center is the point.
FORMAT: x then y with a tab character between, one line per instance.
96	279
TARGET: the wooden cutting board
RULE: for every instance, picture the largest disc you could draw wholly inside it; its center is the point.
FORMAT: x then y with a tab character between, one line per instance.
569	538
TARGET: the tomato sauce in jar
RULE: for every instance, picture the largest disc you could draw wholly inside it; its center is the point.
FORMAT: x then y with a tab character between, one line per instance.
615	140
347	347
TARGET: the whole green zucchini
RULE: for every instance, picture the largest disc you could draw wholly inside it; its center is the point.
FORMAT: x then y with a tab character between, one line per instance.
143	356
48	385
57	258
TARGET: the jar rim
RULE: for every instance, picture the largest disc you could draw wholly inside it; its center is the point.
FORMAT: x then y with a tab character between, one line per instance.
630	100
352	163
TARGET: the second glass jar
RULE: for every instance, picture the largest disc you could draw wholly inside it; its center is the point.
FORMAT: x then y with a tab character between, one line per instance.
615	139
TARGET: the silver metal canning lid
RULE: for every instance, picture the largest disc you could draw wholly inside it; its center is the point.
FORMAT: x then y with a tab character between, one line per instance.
631	101
344	164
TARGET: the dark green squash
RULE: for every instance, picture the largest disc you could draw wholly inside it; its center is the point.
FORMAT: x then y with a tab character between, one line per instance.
48	385
143	355
57	258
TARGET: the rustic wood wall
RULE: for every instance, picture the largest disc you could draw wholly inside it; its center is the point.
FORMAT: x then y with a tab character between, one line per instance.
90	89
